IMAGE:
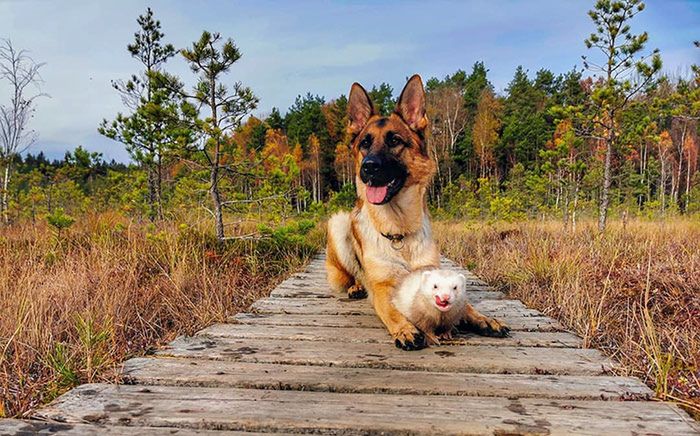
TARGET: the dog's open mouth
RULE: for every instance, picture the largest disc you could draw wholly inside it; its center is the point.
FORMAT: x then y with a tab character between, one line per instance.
383	177
381	194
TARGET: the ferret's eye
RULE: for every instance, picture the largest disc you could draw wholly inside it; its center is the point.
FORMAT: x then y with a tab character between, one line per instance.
455	288
434	286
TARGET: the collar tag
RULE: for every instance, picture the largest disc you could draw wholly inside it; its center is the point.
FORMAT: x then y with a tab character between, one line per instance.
397	240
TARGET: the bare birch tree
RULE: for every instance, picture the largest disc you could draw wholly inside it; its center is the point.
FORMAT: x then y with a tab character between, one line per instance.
664	145
485	132
445	107
22	73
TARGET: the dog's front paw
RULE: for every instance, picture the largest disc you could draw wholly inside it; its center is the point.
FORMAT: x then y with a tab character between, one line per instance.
357	292
446	336
410	339
485	326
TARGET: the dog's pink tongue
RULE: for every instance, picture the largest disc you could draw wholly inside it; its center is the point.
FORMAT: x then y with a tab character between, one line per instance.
376	194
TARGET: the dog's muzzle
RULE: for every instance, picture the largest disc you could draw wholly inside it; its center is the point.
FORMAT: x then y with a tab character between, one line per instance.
384	177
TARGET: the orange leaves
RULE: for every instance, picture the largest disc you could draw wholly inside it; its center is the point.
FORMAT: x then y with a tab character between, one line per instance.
343	163
563	128
275	149
665	142
486	125
690	149
242	136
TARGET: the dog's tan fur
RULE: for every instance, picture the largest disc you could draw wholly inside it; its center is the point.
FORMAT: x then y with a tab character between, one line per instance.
359	258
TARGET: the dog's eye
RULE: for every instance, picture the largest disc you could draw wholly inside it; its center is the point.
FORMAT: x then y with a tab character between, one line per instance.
393	140
366	142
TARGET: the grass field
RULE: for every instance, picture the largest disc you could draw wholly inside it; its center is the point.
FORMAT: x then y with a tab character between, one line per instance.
78	303
634	292
75	305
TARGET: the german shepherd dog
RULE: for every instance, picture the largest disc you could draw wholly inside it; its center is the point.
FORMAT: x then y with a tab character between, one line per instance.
388	233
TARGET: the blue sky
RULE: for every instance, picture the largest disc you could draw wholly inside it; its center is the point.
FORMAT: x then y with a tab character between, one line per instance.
290	48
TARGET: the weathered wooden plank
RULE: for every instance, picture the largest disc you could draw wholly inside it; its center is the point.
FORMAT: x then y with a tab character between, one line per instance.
346	306
316	290
315	287
372	335
307	338
516	323
315	269
311	278
287	290
263	410
33	427
448	264
220	373
319	279
295	292
327	306
477	358
312	281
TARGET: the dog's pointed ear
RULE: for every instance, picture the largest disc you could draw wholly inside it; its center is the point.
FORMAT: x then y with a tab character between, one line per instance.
411	104
360	108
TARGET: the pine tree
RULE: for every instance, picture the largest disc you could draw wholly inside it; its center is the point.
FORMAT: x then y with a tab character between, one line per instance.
153	126
211	58
473	85
526	130
382	98
624	73
304	118
275	120
336	114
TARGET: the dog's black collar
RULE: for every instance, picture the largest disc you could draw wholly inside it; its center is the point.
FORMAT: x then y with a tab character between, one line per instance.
394	236
397	240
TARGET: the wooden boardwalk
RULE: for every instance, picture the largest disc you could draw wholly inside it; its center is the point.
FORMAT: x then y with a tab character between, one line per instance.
306	360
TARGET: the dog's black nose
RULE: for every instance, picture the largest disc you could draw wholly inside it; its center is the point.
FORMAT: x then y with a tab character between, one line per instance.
371	168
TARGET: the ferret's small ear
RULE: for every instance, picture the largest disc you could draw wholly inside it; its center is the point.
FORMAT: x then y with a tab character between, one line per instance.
424	277
463	281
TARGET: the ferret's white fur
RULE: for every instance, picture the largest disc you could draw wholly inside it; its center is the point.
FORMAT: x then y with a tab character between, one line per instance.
415	299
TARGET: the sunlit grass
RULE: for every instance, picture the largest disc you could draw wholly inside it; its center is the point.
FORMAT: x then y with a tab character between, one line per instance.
633	292
76	302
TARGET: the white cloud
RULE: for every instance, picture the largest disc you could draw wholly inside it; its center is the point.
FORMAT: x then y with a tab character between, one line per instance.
290	48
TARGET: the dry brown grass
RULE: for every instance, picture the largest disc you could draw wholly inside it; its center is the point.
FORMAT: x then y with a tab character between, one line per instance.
74	307
634	292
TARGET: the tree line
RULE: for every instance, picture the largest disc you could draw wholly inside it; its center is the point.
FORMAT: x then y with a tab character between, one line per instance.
613	136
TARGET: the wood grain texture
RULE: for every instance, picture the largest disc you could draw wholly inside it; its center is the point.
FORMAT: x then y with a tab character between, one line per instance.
219	373
309	360
476	358
380	336
264	410
486	302
35	427
516	322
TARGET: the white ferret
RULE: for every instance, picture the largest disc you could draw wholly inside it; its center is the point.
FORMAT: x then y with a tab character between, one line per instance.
433	300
